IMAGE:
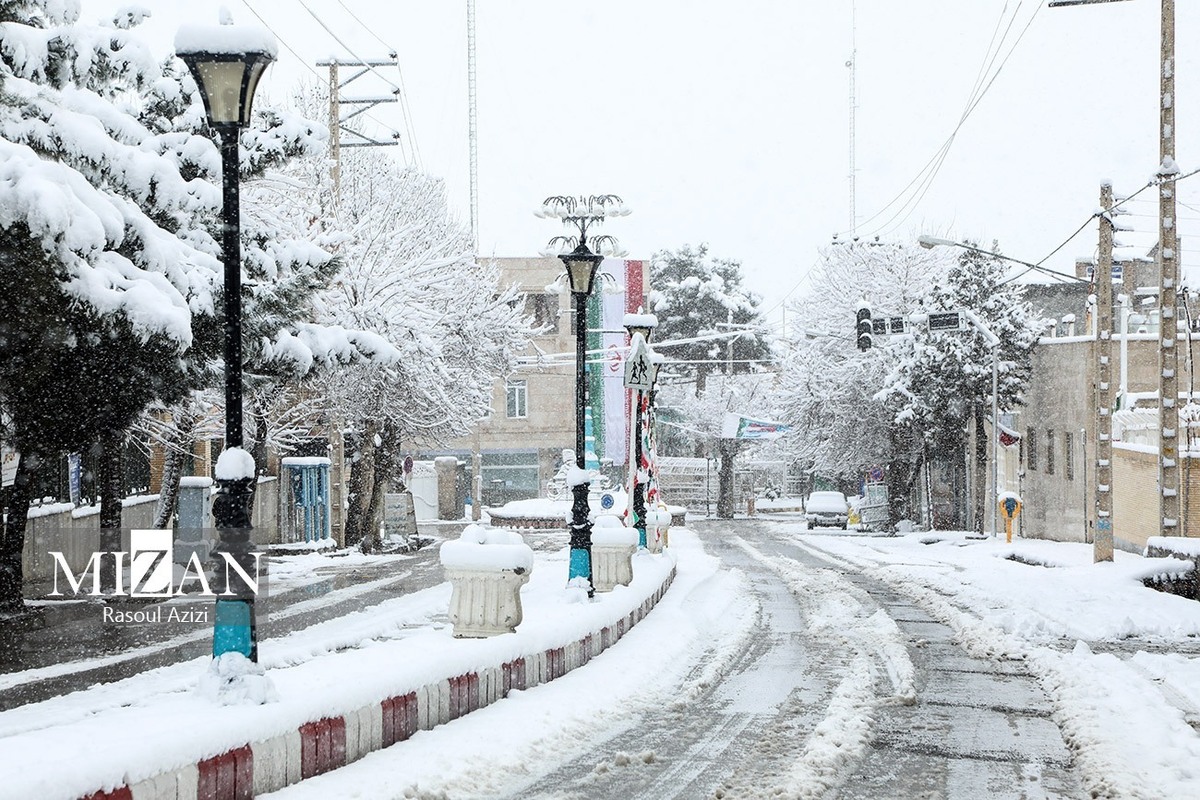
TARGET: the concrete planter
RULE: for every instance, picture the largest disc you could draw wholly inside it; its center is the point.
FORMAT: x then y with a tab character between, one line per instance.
658	523
613	546
486	570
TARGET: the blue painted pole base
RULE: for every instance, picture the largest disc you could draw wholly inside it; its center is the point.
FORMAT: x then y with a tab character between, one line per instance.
641	536
233	630
580	565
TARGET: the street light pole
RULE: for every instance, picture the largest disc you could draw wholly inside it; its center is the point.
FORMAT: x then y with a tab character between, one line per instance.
581	525
227	63
578	214
995	435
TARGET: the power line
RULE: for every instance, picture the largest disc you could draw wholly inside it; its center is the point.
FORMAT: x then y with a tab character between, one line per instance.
365	64
304	62
928	182
1117	205
280	39
410	125
924	178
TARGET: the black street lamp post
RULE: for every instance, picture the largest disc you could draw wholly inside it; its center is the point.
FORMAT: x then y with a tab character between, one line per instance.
581	264
227	63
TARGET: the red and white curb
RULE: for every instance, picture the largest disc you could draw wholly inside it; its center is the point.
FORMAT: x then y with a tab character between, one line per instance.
325	744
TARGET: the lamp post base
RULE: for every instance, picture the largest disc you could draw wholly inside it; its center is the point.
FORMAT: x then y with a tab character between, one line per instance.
581	538
234	629
237	563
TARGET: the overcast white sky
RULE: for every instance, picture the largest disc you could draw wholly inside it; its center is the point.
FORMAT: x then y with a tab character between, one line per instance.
727	123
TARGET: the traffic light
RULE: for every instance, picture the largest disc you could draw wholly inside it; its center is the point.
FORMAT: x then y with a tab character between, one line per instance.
864	325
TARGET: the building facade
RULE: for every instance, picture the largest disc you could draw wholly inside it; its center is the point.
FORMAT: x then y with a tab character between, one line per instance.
520	443
1052	466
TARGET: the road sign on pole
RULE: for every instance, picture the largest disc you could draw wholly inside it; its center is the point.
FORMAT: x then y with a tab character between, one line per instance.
639	369
945	321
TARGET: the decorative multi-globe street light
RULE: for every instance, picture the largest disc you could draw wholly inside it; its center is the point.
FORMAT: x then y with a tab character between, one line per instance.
579	215
227	63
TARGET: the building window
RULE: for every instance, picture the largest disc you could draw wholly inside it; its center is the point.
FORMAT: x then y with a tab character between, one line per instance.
1069	456
544	310
1031	448
517	399
1049	452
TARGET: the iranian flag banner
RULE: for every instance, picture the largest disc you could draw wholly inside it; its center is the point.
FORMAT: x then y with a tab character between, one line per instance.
629	299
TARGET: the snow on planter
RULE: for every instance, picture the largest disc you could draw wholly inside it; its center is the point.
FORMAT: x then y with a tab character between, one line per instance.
612	548
486	568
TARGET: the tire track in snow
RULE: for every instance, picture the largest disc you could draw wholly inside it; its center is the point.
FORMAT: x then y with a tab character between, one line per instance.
843	613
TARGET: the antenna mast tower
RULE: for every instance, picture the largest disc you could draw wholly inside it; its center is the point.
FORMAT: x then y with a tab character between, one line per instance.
853	66
472	124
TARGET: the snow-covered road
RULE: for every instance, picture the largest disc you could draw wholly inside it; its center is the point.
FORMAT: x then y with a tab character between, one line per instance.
820	695
780	663
769	670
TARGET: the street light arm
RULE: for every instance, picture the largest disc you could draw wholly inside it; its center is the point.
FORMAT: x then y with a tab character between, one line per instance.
993	341
930	242
1057	3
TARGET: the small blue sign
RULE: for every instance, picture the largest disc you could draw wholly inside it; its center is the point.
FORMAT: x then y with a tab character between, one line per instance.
75	477
607	501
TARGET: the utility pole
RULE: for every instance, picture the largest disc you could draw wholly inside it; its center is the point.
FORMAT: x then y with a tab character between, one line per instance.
338	123
1168	359
335	133
1102	541
1168	271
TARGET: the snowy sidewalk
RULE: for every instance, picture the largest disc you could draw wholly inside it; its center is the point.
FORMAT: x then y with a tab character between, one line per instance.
343	688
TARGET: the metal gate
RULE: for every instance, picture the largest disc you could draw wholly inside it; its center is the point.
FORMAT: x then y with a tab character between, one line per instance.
305	516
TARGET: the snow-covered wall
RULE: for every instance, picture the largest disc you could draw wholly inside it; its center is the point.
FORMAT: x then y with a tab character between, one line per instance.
76	533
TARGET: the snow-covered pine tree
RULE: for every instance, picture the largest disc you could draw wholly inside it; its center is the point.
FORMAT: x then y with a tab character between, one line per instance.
695	295
946	384
95	227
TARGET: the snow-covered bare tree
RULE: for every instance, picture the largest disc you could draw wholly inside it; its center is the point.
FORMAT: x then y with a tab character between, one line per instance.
286	261
832	392
408	273
696	419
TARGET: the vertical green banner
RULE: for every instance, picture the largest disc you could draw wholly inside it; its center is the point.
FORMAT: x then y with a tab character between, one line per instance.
595	342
